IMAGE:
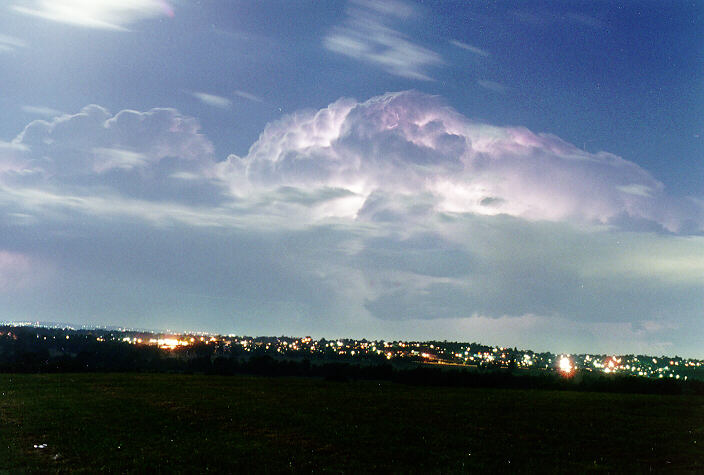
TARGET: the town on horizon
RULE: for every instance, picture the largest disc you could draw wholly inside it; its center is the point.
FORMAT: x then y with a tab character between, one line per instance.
428	352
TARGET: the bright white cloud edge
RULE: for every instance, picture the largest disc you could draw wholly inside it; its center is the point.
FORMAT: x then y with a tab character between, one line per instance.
114	15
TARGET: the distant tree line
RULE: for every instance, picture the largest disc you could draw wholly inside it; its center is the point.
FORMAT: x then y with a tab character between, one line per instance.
31	350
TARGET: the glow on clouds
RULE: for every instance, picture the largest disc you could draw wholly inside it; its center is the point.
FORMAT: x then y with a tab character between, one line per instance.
102	14
392	217
363	160
17	271
410	143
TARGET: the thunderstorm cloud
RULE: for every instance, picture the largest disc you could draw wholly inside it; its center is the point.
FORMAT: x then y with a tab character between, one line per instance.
365	217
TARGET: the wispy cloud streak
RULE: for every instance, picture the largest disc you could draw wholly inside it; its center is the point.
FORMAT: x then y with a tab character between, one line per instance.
470	48
248	96
368	35
212	100
11	43
41	110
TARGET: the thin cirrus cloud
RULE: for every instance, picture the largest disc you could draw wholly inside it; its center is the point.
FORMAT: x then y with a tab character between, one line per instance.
40	110
212	100
365	217
11	43
368	35
470	48
101	14
107	159
248	96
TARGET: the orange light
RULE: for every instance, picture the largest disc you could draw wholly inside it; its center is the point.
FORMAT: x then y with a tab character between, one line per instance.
565	365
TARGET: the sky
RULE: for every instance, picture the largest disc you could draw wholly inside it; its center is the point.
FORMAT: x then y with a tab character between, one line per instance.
523	174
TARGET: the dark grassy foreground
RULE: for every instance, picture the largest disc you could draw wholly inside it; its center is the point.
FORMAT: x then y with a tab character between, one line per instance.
186	423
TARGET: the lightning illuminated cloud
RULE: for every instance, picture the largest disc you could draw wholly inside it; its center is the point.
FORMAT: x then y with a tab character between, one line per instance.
412	144
363	219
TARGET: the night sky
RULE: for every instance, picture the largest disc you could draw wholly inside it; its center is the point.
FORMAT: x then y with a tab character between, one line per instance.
518	173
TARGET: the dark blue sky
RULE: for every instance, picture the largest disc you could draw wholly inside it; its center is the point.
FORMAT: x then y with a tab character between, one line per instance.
564	135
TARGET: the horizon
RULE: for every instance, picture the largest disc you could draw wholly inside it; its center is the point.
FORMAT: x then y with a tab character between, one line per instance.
528	174
65	344
68	326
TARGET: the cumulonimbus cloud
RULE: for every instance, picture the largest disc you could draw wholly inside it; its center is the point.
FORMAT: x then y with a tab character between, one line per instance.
410	143
357	218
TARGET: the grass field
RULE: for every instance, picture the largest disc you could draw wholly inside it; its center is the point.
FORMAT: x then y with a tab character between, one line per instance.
138	422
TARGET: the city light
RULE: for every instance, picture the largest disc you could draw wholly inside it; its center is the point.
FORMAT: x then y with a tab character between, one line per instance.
565	365
434	353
